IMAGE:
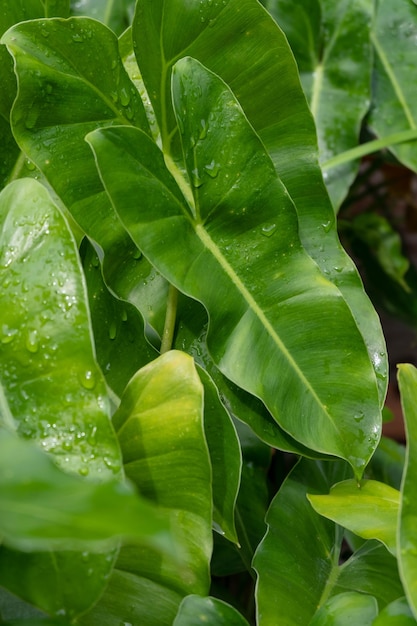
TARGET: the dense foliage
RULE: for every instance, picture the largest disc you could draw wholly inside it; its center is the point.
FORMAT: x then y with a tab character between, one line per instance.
192	376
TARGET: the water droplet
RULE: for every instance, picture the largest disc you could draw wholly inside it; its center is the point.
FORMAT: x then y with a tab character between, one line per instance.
212	169
337	268
7	334
137	254
269	229
196	180
32	341
49	88
87	379
77	38
112	330
327	226
359	416
31	118
83	471
203	131
124	97
124	315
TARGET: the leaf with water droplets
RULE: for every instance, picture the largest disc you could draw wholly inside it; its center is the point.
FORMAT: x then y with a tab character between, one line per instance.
52	387
273	316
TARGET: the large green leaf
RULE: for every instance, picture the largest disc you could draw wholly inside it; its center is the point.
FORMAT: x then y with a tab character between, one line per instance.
196	610
239	41
369	509
42	508
394	85
160	429
331	43
407	533
53	390
233	245
71	80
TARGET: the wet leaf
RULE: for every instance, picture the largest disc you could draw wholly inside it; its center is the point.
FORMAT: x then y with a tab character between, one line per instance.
196	610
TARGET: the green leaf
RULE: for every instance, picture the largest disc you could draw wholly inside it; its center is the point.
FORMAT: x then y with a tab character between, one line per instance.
369	510
42	508
113	14
53	390
394	107
407	534
160	429
239	41
118	328
387	464
346	609
331	43
397	613
242	235
225	458
71	80
299	553
196	610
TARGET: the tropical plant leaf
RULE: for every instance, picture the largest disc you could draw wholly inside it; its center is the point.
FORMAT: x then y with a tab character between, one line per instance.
407	534
281	579
369	509
397	613
196	610
261	71
160	429
53	390
225	458
115	15
243	237
331	43
394	94
42	508
71	80
387	464
118	328
346	609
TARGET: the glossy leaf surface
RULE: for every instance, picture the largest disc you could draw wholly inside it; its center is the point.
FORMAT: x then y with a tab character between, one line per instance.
281	581
369	510
71	80
346	609
397	613
394	86
407	534
45	331
43	508
243	236
331	43
160	429
261	71
196	610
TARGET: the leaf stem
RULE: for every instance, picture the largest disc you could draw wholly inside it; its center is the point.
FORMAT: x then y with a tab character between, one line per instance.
369	147
170	318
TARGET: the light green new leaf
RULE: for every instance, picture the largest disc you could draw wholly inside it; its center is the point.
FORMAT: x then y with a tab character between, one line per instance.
394	107
369	510
195	610
278	328
53	390
346	609
160	429
331	43
397	613
43	508
239	41
407	533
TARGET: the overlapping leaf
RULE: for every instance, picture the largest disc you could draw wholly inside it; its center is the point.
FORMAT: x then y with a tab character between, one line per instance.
407	534
239	41
53	390
331	43
160	429
196	610
235	248
394	85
